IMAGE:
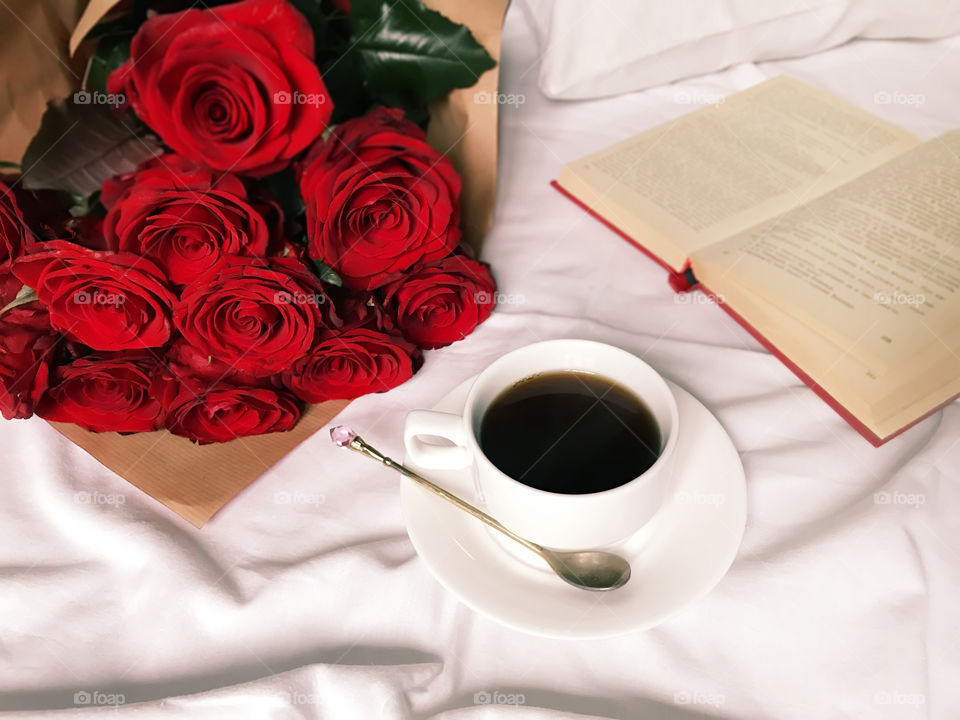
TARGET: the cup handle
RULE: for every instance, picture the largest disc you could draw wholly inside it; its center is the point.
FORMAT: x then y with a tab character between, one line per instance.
437	424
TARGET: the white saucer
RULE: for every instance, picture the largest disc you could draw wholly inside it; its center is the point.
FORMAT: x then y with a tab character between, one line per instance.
676	559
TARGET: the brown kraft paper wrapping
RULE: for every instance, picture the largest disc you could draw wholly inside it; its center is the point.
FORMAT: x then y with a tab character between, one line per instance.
463	126
192	480
36	66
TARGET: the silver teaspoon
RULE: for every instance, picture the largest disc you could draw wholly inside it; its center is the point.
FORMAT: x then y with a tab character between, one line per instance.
585	569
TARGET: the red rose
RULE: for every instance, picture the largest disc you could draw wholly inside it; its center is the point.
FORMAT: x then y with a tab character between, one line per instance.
234	87
222	411
26	354
9	286
268	207
14	235
109	301
43	210
26	216
363	309
183	360
258	316
105	391
207	401
182	216
379	199
380	127
353	363
441	304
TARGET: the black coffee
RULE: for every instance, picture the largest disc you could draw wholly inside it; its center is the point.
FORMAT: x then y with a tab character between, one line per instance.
570	432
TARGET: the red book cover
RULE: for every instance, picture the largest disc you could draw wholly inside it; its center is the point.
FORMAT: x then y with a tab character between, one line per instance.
686	282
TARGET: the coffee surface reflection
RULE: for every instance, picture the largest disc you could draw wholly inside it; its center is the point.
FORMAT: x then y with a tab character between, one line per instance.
570	432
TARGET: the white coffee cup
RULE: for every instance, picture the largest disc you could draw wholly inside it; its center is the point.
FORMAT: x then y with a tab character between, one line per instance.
553	519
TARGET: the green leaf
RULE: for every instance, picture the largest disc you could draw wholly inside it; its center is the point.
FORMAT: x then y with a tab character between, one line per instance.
343	76
112	51
7	165
404	45
24	295
327	273
81	206
338	62
79	146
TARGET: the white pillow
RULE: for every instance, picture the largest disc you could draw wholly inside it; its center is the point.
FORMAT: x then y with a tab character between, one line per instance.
593	48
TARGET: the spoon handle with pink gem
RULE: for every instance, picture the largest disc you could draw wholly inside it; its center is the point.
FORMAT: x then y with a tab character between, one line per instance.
585	569
344	437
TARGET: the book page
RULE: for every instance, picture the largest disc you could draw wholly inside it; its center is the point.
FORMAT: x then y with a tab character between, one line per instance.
698	179
884	404
874	266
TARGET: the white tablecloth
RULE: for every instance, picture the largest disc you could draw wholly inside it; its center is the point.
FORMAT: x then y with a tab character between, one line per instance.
304	598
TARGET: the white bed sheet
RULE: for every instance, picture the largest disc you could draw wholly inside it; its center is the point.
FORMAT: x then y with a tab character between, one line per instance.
304	597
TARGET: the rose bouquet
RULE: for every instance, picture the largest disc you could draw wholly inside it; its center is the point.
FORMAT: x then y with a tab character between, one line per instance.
237	214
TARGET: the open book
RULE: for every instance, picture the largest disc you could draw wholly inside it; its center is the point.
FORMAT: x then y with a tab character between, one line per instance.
831	235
